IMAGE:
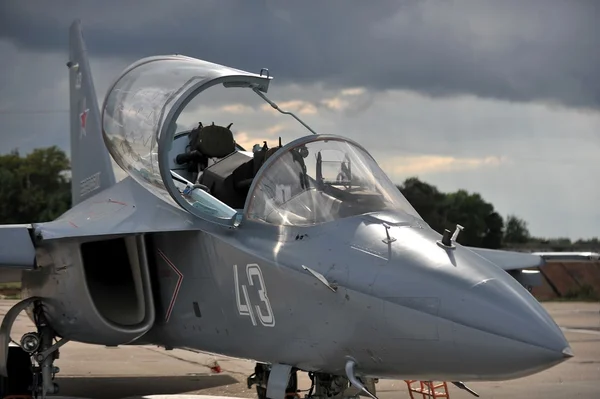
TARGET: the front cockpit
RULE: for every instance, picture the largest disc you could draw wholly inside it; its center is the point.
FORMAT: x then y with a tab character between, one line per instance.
321	179
205	170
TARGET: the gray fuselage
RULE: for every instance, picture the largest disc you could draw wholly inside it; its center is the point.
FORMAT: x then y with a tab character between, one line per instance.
409	308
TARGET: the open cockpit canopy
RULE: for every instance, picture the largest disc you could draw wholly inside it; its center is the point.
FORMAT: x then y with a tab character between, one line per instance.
312	180
139	126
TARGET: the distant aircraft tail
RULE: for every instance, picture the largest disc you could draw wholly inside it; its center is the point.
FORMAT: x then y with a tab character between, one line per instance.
91	168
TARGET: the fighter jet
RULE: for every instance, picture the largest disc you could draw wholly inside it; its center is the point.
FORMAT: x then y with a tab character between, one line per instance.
303	257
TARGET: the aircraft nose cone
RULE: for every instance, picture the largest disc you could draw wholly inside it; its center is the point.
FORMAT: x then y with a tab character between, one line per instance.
502	327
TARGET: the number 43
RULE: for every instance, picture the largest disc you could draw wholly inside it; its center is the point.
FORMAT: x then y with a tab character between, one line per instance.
245	308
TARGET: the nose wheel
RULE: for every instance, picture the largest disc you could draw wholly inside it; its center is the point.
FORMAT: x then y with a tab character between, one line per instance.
20	375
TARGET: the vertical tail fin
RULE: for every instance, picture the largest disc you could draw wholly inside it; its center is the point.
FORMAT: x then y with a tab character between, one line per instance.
91	168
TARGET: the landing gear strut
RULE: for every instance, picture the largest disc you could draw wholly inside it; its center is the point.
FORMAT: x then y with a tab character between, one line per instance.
44	352
29	368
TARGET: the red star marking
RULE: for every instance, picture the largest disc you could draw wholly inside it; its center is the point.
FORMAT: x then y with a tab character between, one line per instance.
83	117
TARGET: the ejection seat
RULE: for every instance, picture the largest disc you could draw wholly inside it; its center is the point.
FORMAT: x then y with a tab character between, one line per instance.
206	142
245	173
229	177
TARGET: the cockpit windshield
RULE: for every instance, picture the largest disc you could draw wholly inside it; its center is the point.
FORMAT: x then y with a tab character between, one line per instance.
321	181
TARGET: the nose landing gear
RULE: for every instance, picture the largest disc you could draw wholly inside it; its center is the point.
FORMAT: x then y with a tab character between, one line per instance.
260	378
323	385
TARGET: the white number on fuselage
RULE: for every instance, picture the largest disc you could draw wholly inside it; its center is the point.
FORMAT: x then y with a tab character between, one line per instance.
242	298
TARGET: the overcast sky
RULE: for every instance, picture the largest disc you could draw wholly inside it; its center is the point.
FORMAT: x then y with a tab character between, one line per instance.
497	97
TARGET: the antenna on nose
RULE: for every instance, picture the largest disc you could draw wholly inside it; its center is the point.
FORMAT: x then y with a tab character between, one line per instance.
461	385
459	228
350	374
389	239
447	240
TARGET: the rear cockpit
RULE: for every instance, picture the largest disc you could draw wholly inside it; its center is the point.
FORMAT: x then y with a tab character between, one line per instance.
208	158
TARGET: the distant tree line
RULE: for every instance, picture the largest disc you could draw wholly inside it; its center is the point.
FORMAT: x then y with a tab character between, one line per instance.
36	187
483	226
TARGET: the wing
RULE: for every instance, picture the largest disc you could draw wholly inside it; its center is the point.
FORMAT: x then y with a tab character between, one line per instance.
550	257
524	266
17	252
16	247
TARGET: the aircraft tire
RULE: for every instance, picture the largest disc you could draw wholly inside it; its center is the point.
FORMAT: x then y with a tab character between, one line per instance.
20	376
261	392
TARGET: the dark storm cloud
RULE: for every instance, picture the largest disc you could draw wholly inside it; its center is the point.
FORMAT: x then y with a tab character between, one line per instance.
522	51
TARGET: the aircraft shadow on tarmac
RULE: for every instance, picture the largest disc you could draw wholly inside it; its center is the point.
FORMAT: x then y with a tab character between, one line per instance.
122	387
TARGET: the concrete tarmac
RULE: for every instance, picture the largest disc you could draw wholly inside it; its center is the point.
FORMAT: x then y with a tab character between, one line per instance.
98	372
